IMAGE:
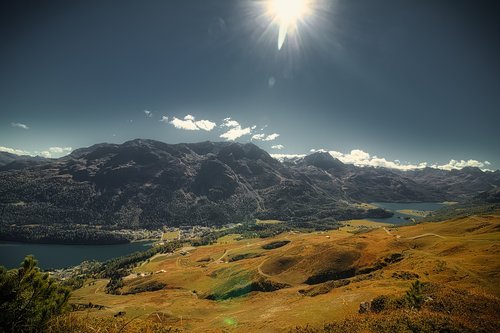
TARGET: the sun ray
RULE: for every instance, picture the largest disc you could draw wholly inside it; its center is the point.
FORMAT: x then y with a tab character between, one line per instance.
286	13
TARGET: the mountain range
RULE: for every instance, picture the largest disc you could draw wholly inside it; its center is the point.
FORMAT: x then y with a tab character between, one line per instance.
148	184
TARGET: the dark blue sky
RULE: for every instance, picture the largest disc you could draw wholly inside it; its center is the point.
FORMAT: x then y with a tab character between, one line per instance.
408	80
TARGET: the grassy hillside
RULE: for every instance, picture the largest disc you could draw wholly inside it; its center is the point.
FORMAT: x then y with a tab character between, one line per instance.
281	283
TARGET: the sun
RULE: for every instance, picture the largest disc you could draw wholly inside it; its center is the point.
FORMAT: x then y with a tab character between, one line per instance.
288	10
286	13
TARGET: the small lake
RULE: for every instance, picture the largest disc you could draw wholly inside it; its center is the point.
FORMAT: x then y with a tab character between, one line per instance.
61	256
399	218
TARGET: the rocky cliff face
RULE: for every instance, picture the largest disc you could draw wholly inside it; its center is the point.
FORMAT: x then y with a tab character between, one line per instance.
146	183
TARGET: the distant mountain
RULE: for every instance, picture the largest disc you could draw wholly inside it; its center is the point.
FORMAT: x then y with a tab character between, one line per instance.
12	161
458	184
147	184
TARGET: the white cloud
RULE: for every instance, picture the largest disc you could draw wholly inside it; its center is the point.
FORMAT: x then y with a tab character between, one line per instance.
60	150
264	137
272	137
228	122
235	132
148	113
205	125
164	119
361	158
20	125
190	124
279	147
258	137
14	151
321	150
282	157
54	152
454	164
48	153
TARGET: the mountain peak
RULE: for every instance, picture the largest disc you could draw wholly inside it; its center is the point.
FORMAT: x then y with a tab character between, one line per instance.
323	160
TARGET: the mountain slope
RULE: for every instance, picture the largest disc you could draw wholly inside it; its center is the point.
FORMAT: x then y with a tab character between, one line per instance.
148	184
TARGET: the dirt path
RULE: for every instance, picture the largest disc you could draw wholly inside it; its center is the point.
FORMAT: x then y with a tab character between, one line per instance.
226	251
413	237
426	235
97	289
222	256
186	250
387	231
259	269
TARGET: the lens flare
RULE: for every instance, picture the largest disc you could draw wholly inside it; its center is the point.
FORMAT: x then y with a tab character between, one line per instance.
286	13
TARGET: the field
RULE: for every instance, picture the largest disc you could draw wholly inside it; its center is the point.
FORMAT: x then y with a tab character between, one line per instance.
170	235
276	284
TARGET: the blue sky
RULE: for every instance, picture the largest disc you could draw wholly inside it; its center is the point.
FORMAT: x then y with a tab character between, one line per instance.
407	82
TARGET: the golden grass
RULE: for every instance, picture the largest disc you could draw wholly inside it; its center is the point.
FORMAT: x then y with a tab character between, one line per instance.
461	253
228	239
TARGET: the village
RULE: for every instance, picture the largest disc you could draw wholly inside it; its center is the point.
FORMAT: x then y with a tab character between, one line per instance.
189	232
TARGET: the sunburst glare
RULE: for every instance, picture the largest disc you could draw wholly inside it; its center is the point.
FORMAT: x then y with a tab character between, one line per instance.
285	14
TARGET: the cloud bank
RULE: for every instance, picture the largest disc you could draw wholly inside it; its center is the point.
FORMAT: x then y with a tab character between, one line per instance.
361	158
454	164
51	152
282	157
14	151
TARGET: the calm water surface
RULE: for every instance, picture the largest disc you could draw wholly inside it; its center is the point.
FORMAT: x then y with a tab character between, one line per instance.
399	218
60	256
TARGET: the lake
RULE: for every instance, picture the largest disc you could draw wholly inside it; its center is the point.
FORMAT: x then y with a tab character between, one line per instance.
60	256
399	218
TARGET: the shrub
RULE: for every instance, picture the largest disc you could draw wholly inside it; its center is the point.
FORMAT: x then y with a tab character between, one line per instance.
380	303
29	298
414	297
275	245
